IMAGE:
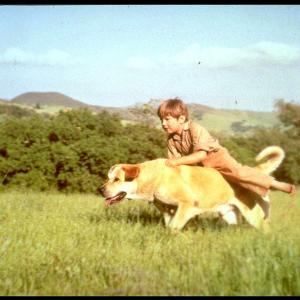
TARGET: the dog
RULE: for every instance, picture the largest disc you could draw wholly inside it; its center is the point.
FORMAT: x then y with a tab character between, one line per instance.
183	192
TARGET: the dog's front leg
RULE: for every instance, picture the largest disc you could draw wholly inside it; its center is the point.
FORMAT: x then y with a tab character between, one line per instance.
167	218
183	214
168	212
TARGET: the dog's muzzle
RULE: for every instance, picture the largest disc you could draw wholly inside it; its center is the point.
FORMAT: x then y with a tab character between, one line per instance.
111	200
115	199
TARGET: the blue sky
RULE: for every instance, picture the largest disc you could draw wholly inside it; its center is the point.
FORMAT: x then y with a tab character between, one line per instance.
226	56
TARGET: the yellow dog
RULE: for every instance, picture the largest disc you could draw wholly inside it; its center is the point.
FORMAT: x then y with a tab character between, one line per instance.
183	192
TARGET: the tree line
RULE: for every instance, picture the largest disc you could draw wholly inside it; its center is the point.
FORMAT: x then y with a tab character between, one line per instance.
73	150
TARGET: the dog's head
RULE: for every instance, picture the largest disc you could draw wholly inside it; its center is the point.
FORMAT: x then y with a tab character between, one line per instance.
121	183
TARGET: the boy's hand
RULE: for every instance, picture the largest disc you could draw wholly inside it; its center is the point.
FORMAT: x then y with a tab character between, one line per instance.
171	163
191	159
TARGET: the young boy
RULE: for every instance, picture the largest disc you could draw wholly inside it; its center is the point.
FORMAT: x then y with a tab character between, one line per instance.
191	144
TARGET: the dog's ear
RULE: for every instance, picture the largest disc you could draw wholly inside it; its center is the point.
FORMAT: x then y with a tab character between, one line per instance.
131	172
110	172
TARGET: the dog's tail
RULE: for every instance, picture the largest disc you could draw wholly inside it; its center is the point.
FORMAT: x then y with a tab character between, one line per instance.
274	155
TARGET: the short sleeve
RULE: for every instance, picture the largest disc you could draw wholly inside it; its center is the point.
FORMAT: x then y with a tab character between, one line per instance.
202	140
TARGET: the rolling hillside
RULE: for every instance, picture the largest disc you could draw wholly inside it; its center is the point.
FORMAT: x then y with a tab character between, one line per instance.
3	101
217	120
34	99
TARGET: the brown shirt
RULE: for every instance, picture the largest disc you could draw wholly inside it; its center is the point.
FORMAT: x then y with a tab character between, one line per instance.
192	139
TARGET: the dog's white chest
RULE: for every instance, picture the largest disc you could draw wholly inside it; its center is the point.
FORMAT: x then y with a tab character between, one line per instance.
163	195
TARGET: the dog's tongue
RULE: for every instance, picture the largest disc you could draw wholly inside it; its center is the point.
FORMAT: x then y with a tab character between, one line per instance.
112	200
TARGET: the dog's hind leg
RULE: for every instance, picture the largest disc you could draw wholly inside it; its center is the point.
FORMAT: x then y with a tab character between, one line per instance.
254	215
228	213
183	214
265	205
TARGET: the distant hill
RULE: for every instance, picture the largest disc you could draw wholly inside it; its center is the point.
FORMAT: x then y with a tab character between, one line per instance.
47	99
217	120
7	110
4	101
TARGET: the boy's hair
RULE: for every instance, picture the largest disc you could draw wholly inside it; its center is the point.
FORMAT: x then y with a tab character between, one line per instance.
174	108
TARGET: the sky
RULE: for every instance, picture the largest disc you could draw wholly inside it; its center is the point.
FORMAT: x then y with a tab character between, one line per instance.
223	56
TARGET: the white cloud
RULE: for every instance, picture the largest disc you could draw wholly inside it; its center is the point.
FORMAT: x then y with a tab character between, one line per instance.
54	57
275	53
140	62
15	56
260	54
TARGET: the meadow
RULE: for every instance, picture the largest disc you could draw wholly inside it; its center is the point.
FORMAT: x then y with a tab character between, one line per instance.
57	244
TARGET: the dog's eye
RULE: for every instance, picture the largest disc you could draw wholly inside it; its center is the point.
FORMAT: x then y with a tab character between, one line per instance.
117	179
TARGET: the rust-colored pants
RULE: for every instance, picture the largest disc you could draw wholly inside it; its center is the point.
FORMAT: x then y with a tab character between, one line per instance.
247	177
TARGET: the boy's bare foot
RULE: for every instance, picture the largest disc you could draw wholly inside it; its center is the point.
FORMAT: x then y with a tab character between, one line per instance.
284	187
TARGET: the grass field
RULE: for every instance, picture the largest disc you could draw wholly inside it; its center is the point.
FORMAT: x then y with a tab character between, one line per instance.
54	244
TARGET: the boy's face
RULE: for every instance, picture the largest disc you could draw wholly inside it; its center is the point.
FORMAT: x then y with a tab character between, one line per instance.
173	125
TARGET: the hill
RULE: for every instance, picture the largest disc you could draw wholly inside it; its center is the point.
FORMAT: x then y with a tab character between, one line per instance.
34	99
218	120
4	101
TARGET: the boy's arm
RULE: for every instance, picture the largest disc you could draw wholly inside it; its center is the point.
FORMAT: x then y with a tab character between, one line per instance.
191	159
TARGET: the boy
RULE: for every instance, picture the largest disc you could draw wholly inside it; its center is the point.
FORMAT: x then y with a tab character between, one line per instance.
191	144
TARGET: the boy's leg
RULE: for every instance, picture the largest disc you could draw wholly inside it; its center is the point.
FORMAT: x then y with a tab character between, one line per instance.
248	177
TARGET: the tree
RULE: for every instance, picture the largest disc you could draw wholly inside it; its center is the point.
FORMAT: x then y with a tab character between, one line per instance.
286	135
289	114
71	151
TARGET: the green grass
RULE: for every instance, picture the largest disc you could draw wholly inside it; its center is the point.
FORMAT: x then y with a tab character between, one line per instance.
54	244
